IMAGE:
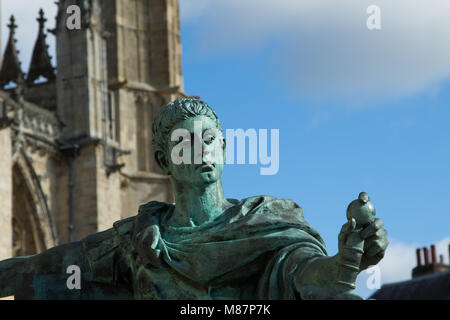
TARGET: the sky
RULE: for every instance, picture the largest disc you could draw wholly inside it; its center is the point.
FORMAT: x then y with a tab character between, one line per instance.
356	109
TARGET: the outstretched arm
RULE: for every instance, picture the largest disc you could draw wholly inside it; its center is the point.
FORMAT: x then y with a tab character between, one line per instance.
18	275
45	275
322	277
9	269
317	280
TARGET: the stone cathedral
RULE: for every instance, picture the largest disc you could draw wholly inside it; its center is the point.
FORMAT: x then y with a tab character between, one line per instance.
75	140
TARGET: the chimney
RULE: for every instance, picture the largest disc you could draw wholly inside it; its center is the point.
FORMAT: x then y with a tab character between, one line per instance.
433	254
429	267
419	258
426	256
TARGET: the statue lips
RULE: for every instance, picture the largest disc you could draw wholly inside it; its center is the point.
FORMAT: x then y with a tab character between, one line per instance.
206	168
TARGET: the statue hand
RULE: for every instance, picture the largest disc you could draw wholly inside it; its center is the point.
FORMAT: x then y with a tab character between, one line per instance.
346	230
146	244
311	292
375	243
333	277
317	280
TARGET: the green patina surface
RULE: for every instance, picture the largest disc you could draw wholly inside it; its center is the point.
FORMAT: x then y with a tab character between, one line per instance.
205	246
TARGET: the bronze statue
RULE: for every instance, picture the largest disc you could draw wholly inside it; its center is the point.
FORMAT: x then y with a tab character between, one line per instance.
204	246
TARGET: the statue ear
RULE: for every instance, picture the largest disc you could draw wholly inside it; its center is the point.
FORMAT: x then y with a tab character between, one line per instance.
161	160
224	148
224	141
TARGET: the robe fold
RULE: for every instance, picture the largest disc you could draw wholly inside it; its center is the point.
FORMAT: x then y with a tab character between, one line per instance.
251	251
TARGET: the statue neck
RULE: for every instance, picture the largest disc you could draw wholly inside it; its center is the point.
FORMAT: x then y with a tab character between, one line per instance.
196	206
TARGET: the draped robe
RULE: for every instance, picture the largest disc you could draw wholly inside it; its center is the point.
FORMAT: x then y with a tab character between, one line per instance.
251	251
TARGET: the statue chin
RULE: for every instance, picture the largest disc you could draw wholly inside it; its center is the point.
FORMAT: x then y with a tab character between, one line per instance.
206	177
199	180
209	177
203	181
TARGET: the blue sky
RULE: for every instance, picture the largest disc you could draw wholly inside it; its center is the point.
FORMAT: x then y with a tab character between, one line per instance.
357	110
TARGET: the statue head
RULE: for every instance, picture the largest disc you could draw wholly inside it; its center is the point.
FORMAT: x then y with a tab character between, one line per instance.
180	125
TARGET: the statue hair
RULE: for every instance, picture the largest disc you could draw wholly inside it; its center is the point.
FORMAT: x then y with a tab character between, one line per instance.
173	113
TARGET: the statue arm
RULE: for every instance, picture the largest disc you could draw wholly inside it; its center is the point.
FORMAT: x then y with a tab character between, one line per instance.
321	276
17	275
95	255
9	269
324	277
317	279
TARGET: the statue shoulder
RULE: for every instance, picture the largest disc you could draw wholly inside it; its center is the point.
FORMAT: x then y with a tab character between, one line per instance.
124	227
150	214
264	204
285	209
153	207
108	238
104	249
99	244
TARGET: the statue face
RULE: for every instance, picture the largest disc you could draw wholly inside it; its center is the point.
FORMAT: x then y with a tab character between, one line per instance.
197	154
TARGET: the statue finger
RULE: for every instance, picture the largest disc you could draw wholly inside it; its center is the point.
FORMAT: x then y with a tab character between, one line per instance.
347	228
379	255
376	247
350	225
371	261
155	237
372	228
380	235
373	249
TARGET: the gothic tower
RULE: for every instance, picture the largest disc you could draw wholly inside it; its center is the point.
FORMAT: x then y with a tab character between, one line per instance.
75	140
114	72
29	152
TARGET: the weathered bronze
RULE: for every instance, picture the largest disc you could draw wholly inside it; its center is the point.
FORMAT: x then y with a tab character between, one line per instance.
204	246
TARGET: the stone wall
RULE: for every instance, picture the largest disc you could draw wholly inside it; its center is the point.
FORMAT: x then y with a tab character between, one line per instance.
5	193
113	76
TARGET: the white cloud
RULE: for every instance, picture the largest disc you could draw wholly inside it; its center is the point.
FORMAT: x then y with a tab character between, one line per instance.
323	49
26	13
400	259
318	49
398	262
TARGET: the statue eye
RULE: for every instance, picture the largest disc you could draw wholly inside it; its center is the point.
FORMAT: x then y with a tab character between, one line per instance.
209	139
